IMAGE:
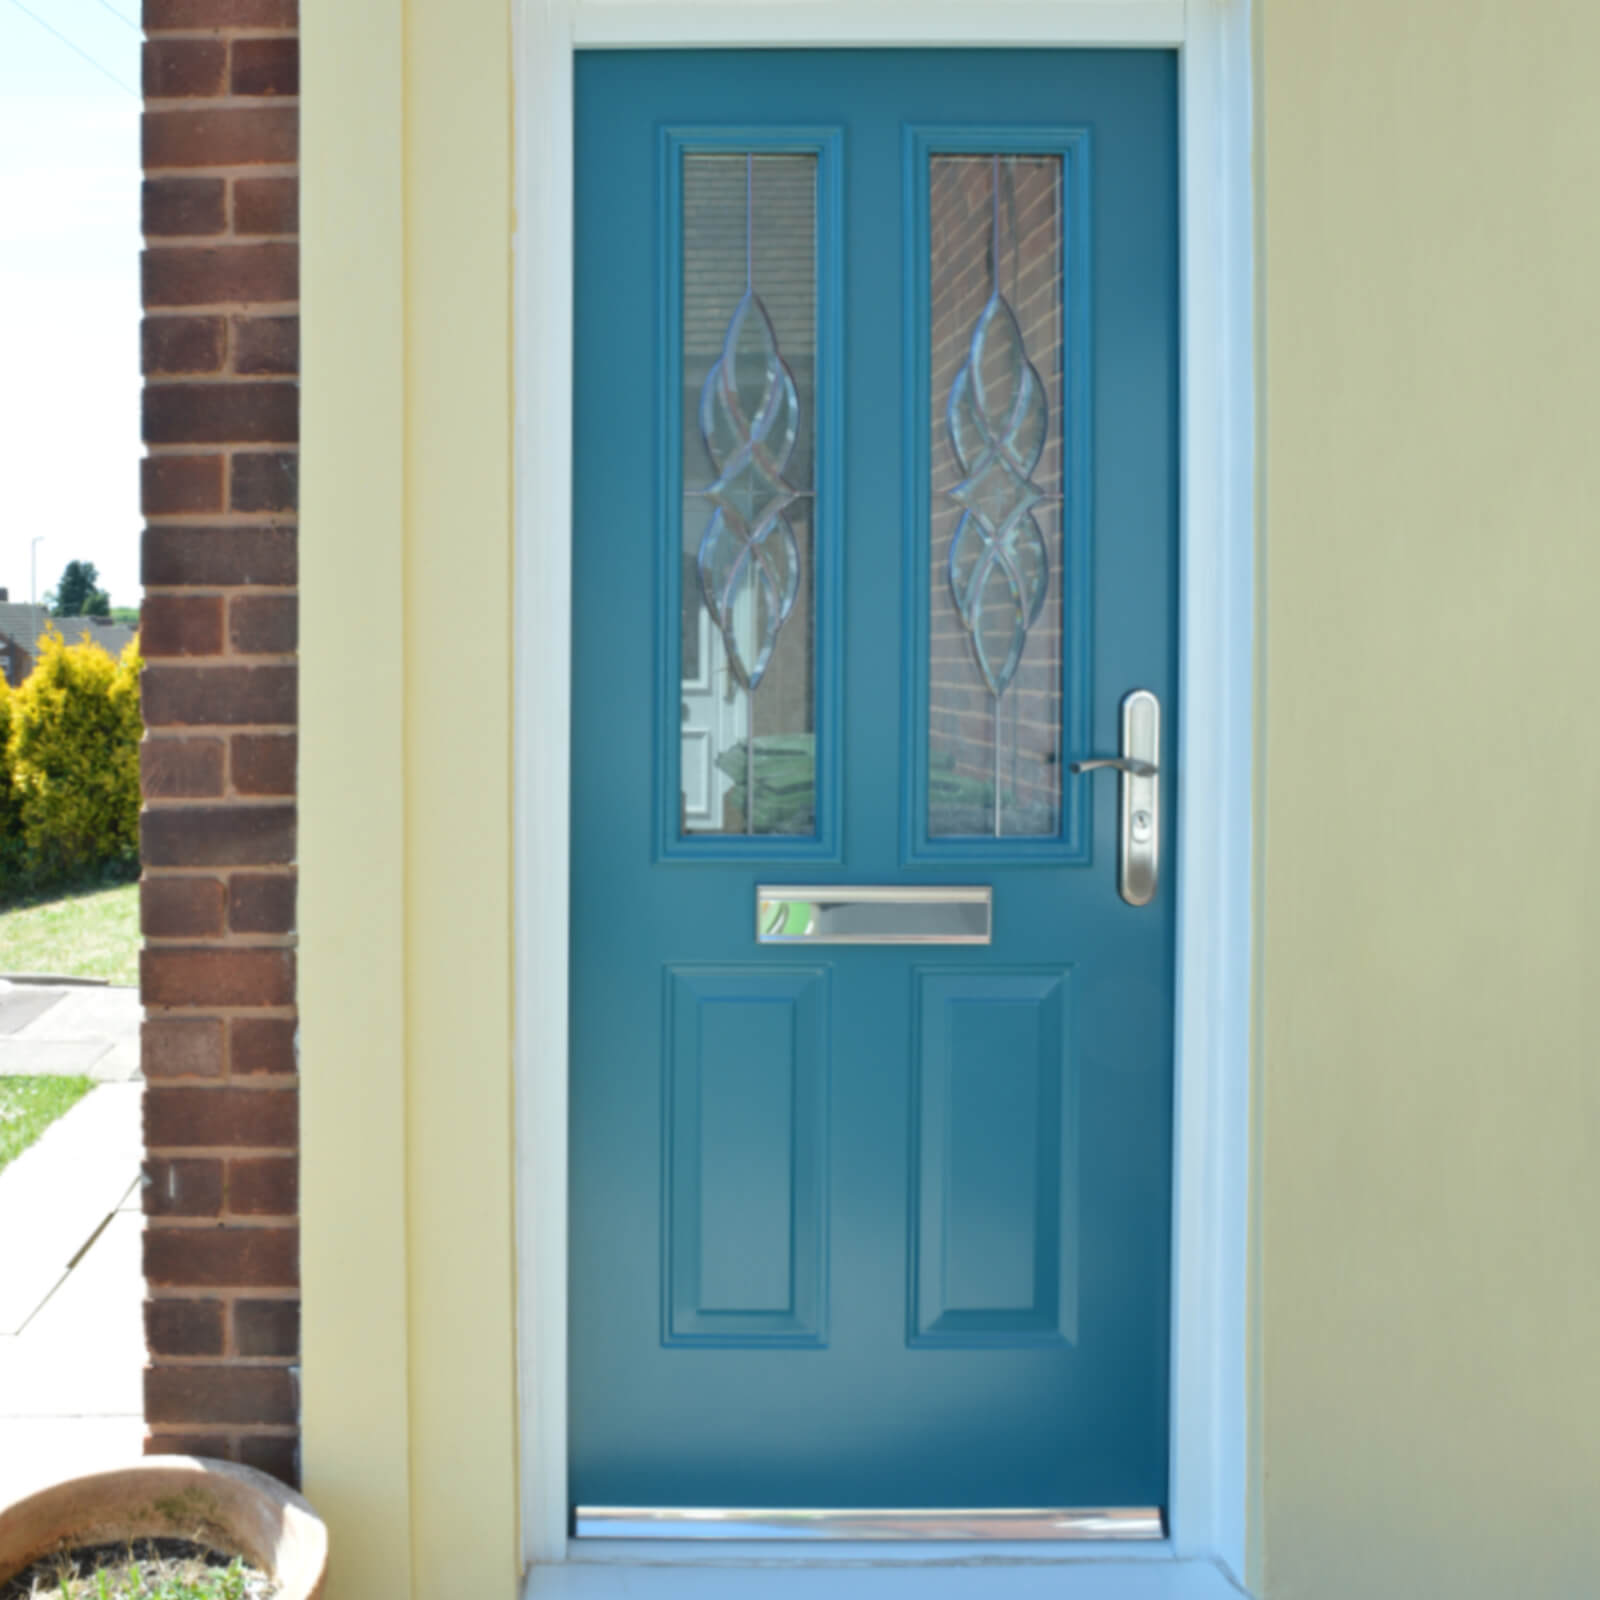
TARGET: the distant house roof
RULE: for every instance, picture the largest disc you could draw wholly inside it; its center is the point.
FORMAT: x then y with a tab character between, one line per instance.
112	637
24	623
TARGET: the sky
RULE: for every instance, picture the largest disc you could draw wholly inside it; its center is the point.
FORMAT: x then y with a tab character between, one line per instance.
69	292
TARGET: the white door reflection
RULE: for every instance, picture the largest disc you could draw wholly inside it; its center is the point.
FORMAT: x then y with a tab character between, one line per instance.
715	719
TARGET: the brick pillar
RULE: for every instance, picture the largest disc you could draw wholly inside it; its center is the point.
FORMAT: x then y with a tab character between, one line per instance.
221	409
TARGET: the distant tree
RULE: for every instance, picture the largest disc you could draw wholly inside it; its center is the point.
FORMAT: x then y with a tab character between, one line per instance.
128	616
78	594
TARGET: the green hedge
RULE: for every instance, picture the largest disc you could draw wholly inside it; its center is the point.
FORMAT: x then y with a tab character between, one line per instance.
69	768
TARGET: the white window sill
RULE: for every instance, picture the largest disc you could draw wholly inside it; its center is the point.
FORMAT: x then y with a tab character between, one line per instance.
957	1578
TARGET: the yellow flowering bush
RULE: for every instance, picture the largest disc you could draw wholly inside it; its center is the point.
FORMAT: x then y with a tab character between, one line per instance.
72	747
11	865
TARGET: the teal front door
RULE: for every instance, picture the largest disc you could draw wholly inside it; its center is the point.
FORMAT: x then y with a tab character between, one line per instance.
875	538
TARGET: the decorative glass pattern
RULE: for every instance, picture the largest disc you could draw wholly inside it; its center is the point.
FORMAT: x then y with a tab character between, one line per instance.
749	561
996	358
749	359
999	567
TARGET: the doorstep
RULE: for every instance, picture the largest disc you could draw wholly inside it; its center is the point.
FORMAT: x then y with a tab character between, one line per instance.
1084	1579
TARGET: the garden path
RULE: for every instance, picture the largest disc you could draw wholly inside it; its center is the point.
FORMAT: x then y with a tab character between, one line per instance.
71	1332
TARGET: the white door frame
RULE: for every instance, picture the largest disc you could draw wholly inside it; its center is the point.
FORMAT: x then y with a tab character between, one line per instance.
1215	721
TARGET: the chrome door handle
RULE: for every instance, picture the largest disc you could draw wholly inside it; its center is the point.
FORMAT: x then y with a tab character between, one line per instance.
1140	769
1140	855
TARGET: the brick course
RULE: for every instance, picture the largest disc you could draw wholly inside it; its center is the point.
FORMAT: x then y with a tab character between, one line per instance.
179	1188
216	413
262	1045
179	67
264	1186
264	763
208	557
218	1258
175	207
182	908
230	136
181	624
215	975
220	355
183	1047
186	694
263	624
266	205
219	1394
173	485
265	480
261	902
176	15
177	769
265	67
184	1327
266	344
171	345
218	836
267	1327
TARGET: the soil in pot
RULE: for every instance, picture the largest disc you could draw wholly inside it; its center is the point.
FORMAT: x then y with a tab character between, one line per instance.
146	1569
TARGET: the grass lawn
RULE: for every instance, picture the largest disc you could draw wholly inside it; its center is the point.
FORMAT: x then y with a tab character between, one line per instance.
92	935
29	1105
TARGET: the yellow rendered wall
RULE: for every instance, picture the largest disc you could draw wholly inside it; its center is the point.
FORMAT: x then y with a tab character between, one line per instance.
1429	1058
405	820
1429	1196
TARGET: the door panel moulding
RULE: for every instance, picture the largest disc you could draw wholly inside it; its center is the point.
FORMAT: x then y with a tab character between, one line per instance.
1217	611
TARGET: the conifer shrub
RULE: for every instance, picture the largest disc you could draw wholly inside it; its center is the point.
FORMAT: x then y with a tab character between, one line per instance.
11	848
72	749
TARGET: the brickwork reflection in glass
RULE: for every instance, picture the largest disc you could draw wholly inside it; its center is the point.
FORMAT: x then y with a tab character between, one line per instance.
998	493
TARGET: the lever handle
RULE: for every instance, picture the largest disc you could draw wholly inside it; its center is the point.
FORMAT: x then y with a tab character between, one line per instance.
1139	800
1128	764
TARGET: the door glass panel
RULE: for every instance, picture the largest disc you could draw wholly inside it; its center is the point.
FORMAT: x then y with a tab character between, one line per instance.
998	492
748	621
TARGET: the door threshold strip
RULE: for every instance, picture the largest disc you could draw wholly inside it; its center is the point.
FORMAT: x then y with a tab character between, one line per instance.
708	1522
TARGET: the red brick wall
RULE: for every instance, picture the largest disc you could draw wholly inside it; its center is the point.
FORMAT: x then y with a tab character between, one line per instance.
221	410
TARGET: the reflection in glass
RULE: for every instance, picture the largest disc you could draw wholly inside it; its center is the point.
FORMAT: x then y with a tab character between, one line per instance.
749	358
997	356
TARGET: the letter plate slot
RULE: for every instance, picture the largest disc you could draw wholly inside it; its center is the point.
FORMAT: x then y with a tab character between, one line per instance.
872	914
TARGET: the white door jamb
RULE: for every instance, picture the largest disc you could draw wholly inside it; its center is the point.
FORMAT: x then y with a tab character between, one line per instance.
1212	1135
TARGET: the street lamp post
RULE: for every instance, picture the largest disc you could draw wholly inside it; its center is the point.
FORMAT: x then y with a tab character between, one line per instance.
33	554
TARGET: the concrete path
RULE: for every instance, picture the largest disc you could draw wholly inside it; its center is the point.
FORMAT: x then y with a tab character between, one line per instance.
69	1029
71	1323
58	1193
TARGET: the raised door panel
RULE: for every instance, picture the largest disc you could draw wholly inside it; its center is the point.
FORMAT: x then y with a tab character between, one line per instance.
745	1231
996	1216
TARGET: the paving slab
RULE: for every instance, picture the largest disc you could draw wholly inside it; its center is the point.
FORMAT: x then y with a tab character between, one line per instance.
121	1063
71	1288
82	1354
68	1029
20	1003
22	1057
71	1383
56	1194
103	1013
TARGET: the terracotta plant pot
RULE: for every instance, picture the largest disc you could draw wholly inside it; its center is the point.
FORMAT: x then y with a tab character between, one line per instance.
236	1510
